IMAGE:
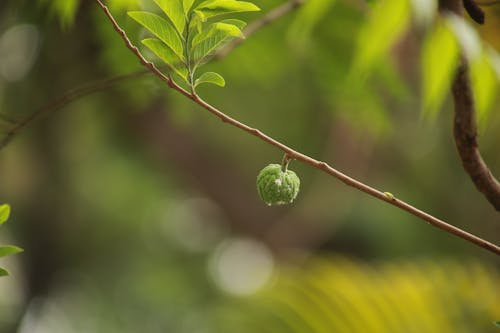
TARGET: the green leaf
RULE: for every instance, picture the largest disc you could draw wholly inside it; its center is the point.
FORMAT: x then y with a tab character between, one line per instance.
497	323
389	19
223	30
65	9
440	54
9	249
4	213
239	23
212	8
210	40
3	272
167	55
210	77
310	14
187	4
195	25
174	11
484	86
161	29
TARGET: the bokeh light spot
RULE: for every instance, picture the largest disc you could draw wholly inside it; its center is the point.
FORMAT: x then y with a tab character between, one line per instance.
241	266
18	51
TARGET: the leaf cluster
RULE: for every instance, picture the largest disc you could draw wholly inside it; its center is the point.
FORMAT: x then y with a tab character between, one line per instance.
191	33
7	249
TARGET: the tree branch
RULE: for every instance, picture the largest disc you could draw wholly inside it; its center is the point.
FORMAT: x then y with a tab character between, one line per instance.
299	156
465	127
474	11
465	133
64	100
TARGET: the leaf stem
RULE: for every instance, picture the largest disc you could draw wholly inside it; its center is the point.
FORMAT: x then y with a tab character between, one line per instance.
187	52
465	126
285	162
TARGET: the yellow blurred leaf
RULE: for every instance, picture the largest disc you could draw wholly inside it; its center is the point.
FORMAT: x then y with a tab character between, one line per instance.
387	22
440	55
484	85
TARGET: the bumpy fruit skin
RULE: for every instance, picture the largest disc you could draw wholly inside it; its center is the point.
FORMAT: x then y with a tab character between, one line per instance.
276	187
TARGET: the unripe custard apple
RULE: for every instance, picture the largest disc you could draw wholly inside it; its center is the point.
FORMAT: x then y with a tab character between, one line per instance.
277	187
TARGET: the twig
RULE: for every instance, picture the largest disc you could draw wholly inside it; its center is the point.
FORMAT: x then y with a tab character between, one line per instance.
64	100
474	11
302	157
249	30
91	88
465	127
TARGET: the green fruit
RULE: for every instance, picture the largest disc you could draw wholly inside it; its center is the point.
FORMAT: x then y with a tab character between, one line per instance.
277	187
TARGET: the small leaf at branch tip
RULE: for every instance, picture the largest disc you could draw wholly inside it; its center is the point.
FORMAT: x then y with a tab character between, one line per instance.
389	195
497	323
210	77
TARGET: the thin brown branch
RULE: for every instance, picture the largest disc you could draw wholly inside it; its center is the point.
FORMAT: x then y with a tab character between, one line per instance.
249	30
474	11
302	157
64	100
91	88
465	126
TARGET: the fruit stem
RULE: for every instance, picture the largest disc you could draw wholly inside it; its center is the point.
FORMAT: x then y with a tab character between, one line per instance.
285	162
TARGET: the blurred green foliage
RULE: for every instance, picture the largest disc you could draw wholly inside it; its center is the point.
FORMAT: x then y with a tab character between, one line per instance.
341	295
132	203
190	36
6	250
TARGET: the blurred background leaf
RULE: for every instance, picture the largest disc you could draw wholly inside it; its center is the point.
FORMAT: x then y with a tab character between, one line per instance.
342	295
440	58
384	26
